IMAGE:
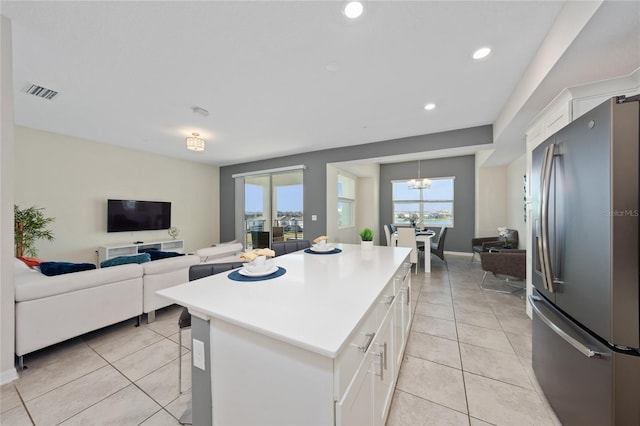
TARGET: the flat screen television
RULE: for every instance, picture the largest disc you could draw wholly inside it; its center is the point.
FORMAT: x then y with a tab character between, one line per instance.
134	215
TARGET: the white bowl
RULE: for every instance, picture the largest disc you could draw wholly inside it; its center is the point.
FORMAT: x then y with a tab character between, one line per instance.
260	266
322	247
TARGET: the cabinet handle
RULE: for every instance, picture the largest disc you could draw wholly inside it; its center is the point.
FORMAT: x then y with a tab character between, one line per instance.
407	269
364	347
381	356
408	290
384	353
390	300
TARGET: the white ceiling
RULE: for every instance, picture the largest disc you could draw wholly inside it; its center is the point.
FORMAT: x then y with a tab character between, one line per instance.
284	77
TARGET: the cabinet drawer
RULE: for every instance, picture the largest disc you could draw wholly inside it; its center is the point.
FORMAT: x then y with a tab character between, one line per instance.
386	298
352	355
350	358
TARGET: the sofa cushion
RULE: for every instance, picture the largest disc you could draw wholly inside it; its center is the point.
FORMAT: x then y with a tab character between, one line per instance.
157	254
51	269
19	266
220	251
32	284
170	264
30	261
123	260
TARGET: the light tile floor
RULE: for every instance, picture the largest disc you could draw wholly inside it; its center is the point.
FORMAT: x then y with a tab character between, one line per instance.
468	358
467	362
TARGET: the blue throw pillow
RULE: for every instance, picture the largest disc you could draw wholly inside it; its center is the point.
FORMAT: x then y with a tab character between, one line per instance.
58	268
123	260
157	254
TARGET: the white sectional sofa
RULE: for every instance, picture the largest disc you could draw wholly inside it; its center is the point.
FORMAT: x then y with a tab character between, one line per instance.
161	274
53	309
221	253
50	310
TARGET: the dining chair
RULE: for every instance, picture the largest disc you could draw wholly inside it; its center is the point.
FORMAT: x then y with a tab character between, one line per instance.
387	233
437	247
407	238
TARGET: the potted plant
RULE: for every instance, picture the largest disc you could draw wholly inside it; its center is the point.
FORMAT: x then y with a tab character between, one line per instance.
30	225
504	234
366	235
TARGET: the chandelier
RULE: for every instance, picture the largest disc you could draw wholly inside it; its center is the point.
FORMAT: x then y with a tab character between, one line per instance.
194	142
419	183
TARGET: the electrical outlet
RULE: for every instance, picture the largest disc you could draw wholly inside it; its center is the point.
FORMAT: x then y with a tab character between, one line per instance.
198	354
314	217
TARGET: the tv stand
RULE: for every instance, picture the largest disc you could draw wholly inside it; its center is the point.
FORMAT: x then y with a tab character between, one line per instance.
115	250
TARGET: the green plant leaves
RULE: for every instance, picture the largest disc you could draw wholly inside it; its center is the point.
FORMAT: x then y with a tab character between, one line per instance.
30	225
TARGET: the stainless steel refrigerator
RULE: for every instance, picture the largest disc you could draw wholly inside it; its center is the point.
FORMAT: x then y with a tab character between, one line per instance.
586	300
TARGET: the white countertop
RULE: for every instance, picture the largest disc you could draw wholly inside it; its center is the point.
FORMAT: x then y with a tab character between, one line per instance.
315	305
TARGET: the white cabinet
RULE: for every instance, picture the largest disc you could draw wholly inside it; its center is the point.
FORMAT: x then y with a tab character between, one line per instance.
115	250
367	399
572	102
402	312
356	408
384	368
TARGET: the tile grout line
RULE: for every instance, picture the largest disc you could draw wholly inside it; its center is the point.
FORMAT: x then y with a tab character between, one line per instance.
464	382
97	402
131	382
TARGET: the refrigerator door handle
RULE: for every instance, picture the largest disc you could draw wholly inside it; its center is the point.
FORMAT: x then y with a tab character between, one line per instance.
585	350
543	241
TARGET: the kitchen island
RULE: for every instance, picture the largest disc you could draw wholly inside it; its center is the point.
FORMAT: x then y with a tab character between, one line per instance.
321	344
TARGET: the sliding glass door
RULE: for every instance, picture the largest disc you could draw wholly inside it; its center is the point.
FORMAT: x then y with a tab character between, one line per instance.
273	208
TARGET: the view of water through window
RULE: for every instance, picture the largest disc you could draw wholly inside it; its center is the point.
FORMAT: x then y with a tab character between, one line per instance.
424	207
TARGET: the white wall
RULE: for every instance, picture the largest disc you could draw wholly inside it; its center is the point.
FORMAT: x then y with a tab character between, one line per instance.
500	199
7	369
492	201
73	178
367	212
366	205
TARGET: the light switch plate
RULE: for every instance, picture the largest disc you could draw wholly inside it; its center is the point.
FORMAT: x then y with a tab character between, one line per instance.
314	217
198	354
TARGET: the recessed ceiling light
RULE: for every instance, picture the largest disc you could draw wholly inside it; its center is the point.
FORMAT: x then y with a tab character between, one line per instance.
481	53
429	107
353	9
331	66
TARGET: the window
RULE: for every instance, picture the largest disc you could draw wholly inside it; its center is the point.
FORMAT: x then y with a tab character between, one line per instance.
273	204
431	207
346	200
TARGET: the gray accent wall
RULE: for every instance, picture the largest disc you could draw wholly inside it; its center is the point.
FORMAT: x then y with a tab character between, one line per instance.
201	393
315	181
462	168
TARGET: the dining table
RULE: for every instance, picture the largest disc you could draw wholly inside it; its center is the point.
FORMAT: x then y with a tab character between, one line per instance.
425	237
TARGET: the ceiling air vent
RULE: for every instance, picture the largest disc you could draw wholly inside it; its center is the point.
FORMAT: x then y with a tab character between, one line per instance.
39	91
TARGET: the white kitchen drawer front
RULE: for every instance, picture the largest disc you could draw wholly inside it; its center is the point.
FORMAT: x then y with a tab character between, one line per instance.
353	353
351	356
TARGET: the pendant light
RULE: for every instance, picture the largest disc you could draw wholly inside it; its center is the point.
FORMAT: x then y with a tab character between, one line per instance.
195	143
419	183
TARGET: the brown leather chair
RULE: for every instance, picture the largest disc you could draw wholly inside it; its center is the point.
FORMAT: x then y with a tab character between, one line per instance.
479	245
512	263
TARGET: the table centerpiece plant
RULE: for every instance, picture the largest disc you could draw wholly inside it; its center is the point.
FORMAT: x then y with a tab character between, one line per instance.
366	237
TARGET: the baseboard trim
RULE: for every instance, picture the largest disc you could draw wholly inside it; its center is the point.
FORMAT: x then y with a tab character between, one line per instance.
8	376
